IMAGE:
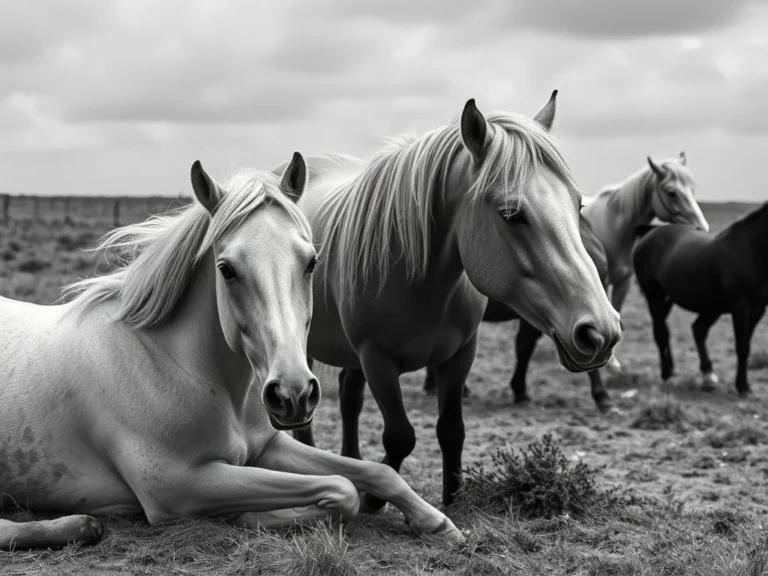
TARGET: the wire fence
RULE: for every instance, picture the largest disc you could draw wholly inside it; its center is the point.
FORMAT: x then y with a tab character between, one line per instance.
114	211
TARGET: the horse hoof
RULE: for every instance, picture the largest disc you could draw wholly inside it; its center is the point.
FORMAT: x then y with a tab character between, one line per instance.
746	393
370	504
430	391
448	533
709	382
523	400
90	531
607	408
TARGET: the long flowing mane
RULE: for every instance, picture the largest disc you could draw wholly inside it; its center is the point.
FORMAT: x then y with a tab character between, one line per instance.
393	197
157	257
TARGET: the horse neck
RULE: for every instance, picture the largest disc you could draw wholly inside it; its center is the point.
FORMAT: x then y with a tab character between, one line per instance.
751	237
632	202
192	336
450	199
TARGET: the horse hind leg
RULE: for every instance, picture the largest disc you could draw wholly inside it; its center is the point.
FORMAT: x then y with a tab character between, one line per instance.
56	533
599	393
619	294
430	384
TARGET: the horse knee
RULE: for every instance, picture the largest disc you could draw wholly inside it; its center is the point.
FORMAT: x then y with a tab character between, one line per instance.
346	500
398	444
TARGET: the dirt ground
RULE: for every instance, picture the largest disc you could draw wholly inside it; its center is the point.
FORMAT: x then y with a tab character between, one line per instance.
710	458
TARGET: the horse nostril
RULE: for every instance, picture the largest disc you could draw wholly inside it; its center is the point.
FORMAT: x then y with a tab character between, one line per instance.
587	338
314	394
273	398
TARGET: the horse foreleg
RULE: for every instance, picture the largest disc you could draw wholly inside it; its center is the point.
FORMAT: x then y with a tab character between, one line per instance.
56	533
451	376
218	489
351	394
379	480
399	437
527	338
700	329
744	322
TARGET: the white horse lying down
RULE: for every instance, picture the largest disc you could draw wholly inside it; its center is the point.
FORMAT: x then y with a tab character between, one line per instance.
162	386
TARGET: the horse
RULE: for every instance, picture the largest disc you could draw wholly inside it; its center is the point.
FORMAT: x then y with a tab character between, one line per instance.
528	335
166	386
415	241
662	190
710	275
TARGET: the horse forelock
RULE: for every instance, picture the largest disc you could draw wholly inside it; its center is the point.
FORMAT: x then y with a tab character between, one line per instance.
157	257
393	197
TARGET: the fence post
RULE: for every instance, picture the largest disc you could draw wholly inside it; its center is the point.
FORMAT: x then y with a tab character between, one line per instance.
116	214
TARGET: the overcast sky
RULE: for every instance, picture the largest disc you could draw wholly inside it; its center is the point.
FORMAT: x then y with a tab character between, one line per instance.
120	97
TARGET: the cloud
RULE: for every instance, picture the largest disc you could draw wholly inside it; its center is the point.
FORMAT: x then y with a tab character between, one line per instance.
578	18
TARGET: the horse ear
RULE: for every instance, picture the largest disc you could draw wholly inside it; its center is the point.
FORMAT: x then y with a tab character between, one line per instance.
294	178
546	115
683	159
658	170
207	190
474	131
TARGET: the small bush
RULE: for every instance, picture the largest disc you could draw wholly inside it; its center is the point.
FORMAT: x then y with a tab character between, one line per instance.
539	482
739	436
659	414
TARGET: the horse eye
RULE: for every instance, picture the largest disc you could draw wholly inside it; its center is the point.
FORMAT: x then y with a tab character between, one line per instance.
227	272
513	217
312	265
670	192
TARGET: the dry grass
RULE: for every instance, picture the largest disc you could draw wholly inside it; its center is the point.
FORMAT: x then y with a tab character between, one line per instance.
697	462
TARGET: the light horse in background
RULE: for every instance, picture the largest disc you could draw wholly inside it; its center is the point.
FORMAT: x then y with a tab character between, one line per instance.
662	190
162	386
413	244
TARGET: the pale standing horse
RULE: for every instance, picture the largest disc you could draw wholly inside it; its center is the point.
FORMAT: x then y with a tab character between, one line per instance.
414	243
663	190
162	386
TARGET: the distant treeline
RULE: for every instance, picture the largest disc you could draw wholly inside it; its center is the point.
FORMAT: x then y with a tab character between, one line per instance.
111	210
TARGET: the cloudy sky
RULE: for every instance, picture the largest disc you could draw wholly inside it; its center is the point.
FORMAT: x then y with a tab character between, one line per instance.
121	96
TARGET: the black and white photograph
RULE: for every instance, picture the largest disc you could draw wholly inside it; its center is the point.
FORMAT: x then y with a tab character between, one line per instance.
349	288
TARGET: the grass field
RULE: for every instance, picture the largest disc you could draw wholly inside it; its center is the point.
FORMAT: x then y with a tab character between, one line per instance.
698	461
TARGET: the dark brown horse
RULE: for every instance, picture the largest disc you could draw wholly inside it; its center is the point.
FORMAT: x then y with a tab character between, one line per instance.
709	274
528	336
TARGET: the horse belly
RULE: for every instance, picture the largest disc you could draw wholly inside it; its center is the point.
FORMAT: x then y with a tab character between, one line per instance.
47	467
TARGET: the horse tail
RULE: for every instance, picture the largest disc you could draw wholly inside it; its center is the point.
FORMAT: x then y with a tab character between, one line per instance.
641	230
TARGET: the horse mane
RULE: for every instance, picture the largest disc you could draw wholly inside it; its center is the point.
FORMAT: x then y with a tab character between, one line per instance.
393	197
637	182
157	257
